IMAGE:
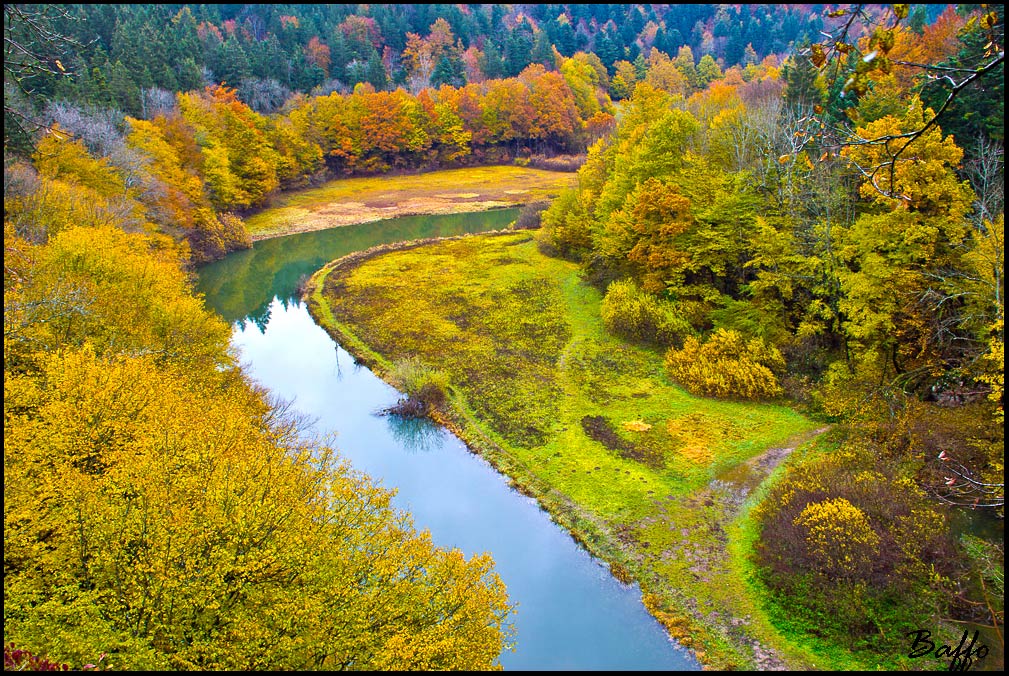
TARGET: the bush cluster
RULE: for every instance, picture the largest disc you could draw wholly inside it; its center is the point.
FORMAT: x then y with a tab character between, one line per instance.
426	388
851	546
728	366
634	314
530	215
556	162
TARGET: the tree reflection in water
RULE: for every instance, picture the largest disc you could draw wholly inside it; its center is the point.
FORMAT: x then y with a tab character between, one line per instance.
417	435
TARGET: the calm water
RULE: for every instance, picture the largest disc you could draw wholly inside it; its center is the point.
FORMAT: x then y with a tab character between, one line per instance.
571	613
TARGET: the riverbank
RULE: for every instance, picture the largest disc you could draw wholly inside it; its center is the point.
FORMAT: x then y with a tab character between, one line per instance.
646	477
366	199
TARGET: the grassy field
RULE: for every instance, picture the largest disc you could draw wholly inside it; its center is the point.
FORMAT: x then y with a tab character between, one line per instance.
362	200
648	477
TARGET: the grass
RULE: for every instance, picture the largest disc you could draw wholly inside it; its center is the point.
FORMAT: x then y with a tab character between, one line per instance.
800	635
645	475
363	200
793	641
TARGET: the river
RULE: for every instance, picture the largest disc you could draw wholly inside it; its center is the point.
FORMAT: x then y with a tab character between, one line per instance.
571	613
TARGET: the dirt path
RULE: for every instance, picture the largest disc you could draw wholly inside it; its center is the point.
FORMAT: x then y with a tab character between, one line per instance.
686	542
748	475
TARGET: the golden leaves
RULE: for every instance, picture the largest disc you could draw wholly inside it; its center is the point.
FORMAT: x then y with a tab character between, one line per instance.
198	520
726	366
839	537
138	465
817	55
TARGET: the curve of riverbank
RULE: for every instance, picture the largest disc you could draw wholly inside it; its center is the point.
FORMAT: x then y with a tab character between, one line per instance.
720	639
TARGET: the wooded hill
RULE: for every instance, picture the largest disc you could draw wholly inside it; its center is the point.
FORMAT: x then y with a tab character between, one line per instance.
268	52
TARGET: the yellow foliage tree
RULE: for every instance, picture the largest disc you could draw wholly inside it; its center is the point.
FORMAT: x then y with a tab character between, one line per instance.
114	289
159	510
896	312
215	540
58	157
644	231
239	163
179	198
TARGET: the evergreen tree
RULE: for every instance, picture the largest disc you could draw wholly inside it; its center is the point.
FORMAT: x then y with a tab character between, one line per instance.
189	75
340	55
96	88
448	71
799	75
165	78
734	45
518	50
979	109
607	49
183	42
543	51
375	70
492	62
640	67
565	37
750	56
124	90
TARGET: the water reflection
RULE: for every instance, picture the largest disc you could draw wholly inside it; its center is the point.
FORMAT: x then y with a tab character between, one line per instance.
572	613
242	286
415	435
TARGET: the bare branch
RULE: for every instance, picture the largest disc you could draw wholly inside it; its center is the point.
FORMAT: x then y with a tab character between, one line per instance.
961	486
32	49
838	45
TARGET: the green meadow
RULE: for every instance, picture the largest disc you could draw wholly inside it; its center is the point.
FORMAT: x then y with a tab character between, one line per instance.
647	476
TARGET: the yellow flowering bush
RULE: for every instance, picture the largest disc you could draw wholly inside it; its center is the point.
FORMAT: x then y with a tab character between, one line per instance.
727	366
838	536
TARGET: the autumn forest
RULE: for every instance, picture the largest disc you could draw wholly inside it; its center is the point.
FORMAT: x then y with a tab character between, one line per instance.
744	341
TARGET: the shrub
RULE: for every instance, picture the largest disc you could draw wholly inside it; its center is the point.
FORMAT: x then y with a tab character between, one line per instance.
636	315
530	215
556	163
424	386
855	551
234	232
727	366
838	536
567	227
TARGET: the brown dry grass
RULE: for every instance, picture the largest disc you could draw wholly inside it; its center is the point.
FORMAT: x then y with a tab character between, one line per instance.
363	200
